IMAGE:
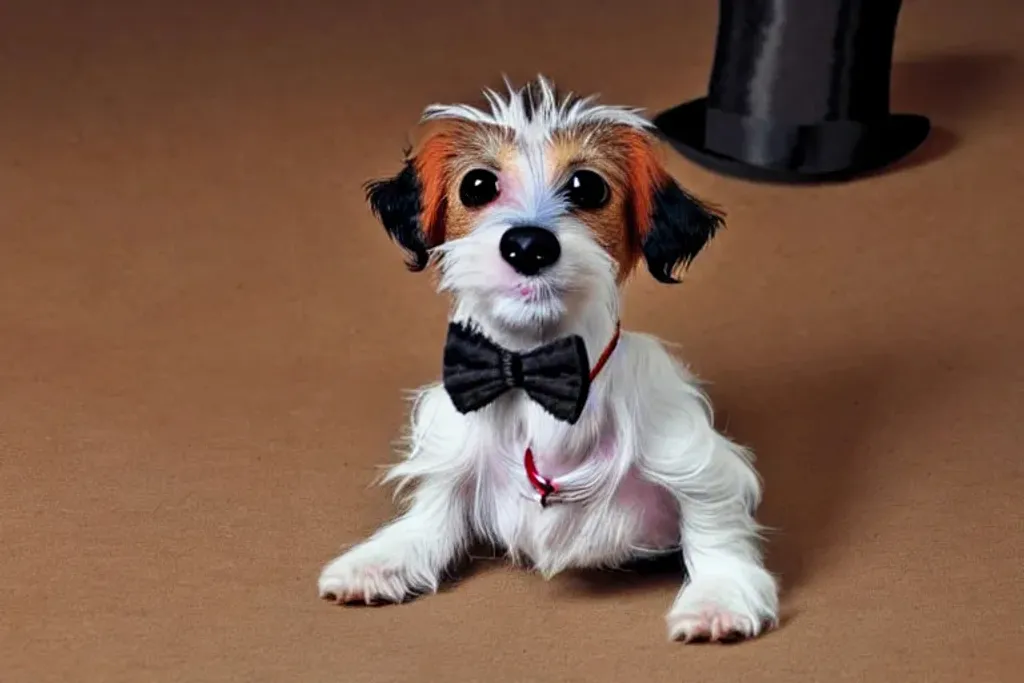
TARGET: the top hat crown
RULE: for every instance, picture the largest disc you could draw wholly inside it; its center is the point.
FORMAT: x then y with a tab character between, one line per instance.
799	91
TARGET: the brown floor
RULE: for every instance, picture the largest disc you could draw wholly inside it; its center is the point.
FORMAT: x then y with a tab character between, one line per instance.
204	336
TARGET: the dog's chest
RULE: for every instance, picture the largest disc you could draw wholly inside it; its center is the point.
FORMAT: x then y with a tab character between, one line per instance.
603	512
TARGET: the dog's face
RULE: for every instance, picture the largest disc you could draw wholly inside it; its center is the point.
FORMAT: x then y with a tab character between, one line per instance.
539	208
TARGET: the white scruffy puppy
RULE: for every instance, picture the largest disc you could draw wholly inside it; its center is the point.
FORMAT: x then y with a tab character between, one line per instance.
553	435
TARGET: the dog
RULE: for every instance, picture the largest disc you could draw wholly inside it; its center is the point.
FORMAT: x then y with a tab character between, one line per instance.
555	436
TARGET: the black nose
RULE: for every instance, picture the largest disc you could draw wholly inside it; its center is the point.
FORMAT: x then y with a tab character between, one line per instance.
529	249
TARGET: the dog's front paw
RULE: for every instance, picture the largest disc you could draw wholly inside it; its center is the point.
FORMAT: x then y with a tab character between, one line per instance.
722	610
366	577
709	622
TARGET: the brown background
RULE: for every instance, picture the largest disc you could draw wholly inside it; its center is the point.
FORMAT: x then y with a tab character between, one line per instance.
204	337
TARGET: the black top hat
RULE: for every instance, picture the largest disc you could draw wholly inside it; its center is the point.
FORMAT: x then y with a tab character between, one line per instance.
799	92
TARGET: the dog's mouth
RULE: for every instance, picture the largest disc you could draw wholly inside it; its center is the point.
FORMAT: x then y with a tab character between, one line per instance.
535	291
527	303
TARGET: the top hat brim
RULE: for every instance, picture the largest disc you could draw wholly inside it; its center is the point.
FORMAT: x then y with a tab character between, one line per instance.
891	139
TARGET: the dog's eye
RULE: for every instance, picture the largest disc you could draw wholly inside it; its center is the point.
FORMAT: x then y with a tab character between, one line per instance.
587	190
479	187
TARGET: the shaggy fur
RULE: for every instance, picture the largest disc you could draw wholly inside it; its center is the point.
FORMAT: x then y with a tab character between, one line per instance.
643	471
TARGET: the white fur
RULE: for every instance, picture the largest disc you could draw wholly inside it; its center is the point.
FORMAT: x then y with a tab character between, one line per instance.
643	471
549	113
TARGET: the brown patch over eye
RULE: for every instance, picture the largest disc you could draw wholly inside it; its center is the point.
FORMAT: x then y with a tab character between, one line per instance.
473	178
624	159
446	156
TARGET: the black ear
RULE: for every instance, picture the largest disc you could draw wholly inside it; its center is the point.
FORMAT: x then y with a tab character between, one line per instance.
396	203
680	227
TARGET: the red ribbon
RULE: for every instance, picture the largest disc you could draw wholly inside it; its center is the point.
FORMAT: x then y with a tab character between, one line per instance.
544	486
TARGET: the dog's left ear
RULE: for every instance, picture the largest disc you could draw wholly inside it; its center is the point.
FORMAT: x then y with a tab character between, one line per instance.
412	204
670	225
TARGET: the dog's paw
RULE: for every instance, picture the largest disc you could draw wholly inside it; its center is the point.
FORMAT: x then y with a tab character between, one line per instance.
722	610
710	623
356	579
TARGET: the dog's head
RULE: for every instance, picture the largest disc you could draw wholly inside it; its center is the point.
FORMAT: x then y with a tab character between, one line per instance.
540	207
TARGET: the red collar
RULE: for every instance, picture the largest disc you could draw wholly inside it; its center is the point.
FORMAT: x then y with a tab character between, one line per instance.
544	486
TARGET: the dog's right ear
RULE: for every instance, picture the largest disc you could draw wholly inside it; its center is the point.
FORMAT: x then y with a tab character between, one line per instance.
412	204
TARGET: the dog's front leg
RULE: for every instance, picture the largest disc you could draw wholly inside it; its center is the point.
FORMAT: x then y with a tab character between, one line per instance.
728	593
405	557
409	555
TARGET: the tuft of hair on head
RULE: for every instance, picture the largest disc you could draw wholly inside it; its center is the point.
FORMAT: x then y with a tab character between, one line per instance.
537	110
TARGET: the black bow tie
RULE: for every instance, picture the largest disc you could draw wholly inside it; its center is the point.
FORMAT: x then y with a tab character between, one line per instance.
477	371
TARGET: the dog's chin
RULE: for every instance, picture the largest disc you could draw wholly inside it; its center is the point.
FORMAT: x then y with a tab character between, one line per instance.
523	315
518	312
